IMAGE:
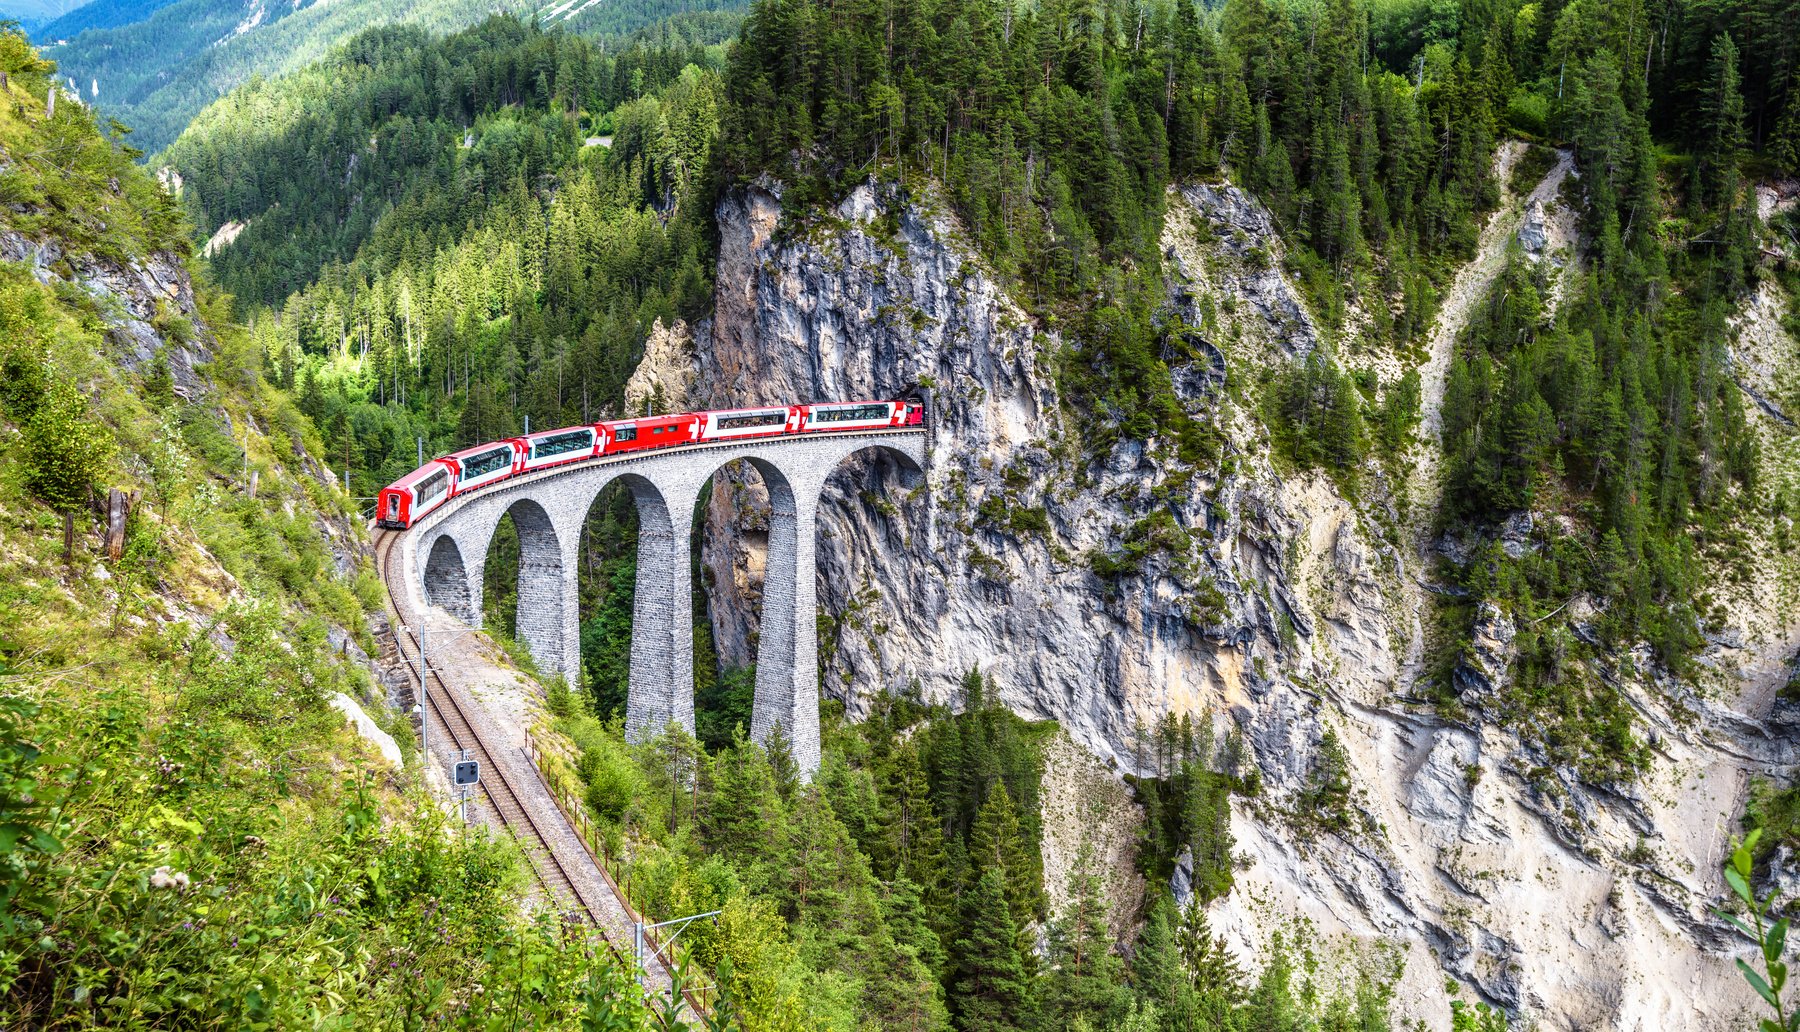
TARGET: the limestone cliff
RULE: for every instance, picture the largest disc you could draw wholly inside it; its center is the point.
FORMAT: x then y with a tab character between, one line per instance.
1264	600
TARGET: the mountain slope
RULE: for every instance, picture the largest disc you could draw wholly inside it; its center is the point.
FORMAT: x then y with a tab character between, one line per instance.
156	74
31	13
157	65
1311	441
96	14
193	836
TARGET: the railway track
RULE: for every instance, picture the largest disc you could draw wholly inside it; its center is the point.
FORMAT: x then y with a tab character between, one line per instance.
454	724
504	801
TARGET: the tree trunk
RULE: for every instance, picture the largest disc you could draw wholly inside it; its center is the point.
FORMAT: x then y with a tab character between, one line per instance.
118	507
68	539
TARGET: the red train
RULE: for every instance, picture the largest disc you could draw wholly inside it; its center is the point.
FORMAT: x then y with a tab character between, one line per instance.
471	469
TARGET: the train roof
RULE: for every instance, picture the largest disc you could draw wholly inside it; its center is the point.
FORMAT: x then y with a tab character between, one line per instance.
747	408
847	404
419	474
510	442
672	417
560	430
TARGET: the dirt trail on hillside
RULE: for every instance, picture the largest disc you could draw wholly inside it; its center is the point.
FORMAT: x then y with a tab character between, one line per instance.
1456	305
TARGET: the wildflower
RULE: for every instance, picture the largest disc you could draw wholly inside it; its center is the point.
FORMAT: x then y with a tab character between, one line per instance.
165	877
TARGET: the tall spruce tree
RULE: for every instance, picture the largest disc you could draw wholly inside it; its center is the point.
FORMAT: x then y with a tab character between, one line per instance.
990	992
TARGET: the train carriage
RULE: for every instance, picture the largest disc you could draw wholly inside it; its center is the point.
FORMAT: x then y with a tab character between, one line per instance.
485	463
731	424
555	447
414	495
860	415
629	435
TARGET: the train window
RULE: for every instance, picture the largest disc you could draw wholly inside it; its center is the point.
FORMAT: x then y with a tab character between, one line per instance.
849	414
431	486
561	443
742	420
393	506
625	433
485	463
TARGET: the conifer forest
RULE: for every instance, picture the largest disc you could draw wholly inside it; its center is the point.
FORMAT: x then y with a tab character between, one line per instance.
1352	584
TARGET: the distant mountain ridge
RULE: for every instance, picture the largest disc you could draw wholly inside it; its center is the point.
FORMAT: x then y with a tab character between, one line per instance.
155	64
98	14
155	74
32	13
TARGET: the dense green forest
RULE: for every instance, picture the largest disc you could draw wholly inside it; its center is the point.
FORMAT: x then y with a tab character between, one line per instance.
432	249
902	888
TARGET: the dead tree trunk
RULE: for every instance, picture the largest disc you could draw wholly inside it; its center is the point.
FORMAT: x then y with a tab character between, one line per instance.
118	508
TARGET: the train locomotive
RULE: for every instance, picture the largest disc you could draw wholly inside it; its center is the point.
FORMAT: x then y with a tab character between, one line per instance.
403	502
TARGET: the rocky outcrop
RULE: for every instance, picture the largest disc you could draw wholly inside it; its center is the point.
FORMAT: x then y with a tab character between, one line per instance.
139	295
1263	601
664	377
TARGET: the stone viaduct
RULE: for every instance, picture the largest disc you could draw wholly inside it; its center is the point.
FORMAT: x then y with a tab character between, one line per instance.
445	552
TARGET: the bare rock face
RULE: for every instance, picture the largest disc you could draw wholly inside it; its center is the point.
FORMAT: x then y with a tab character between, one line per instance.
137	295
988	564
1261	600
664	378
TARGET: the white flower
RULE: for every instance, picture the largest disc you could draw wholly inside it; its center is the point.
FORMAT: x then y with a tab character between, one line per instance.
166	878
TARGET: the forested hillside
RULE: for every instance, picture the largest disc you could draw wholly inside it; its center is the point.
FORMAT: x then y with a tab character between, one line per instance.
96	14
157	70
192	837
464	259
444	236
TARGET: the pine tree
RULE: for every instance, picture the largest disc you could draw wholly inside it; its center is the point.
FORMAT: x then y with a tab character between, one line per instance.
998	842
990	992
744	813
912	838
903	908
781	762
1086	979
66	450
1210	967
1722	128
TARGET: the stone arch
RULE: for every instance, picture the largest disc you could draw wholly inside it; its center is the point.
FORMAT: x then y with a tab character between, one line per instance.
787	648
909	466
661	691
446	580
542	620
